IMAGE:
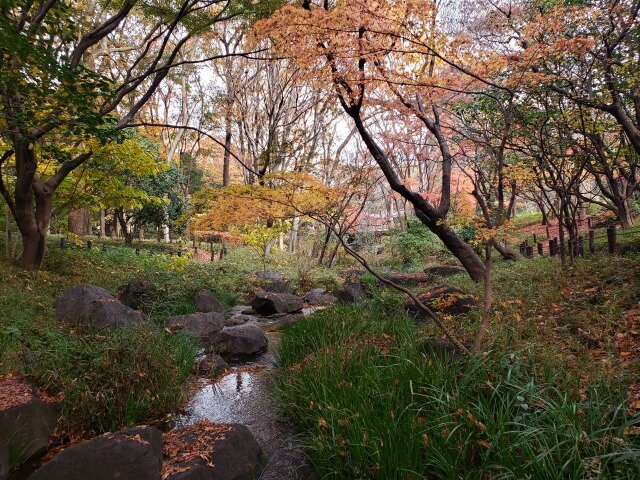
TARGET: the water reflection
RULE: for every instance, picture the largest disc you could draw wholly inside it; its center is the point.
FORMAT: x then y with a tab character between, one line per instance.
245	397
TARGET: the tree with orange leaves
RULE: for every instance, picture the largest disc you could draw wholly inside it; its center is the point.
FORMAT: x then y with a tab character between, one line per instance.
384	54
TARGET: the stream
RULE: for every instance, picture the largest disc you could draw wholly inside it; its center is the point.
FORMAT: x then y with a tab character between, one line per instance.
245	397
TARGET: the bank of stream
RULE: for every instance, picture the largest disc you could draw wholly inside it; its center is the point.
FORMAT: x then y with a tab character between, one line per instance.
245	397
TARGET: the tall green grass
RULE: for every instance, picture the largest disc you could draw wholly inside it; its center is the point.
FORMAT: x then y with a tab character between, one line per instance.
372	405
114	379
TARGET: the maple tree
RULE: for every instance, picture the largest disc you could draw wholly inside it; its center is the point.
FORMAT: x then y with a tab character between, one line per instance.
363	49
586	52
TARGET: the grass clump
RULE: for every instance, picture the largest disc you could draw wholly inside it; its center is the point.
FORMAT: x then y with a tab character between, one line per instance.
373	405
112	379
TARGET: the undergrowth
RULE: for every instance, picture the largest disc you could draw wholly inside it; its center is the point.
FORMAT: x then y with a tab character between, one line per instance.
373	405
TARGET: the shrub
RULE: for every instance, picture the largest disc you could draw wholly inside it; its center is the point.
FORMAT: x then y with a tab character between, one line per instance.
415	242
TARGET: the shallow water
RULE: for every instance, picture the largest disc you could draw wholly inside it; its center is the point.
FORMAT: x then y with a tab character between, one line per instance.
245	397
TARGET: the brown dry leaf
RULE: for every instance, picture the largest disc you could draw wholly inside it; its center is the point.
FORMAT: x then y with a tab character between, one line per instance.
631	431
484	444
14	391
136	438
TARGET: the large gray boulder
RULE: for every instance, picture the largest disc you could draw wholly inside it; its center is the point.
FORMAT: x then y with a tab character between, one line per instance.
240	342
96	307
25	429
202	326
352	292
240	319
133	454
137	293
269	276
279	286
206	302
268	303
318	296
323	300
314	294
4	462
74	304
211	364
111	313
443	300
232	454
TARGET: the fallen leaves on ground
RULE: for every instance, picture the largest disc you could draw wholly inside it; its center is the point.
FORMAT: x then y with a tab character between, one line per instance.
194	441
14	391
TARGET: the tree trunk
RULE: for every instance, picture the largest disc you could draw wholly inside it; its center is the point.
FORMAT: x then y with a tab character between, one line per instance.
79	221
7	233
268	247
293	235
31	208
334	252
226	157
103	223
33	225
126	233
623	212
460	249
488	300
116	226
563	258
507	253
325	244
545	217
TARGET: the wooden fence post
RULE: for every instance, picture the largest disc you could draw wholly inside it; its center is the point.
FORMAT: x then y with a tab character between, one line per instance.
552	248
535	238
89	244
592	241
540	249
611	239
529	251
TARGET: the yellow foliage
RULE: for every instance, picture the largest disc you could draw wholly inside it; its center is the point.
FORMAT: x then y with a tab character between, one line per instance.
281	196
